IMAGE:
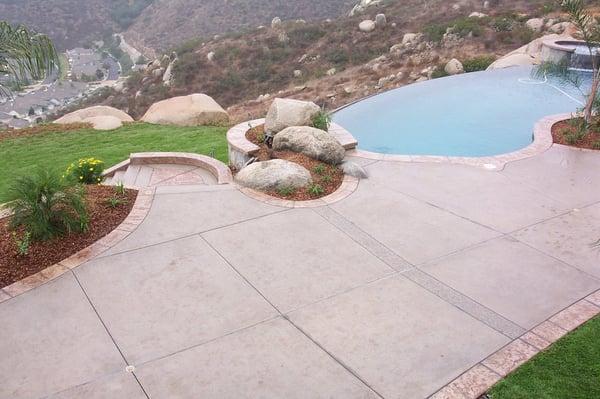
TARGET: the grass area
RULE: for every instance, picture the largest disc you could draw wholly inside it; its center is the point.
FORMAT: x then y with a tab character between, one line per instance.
569	369
21	155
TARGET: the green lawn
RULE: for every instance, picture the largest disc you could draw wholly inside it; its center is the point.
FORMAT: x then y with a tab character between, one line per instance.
56	151
570	369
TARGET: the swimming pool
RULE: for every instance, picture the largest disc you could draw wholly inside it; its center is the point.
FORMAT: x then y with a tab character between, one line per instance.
471	115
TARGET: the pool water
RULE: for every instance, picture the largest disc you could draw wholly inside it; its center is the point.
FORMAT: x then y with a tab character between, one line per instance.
470	115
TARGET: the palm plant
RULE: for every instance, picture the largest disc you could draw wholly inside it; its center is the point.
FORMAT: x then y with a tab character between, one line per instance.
24	54
590	33
47	206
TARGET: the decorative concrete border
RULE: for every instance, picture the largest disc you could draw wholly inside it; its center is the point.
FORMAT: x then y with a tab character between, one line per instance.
217	168
138	213
348	186
542	141
480	378
241	150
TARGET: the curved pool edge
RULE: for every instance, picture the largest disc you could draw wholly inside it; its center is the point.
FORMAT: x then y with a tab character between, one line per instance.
542	141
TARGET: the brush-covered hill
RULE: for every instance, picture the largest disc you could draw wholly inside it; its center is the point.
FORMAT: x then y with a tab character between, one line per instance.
167	23
333	62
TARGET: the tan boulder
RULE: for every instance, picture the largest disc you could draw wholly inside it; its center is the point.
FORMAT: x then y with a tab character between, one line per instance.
192	110
104	122
91	112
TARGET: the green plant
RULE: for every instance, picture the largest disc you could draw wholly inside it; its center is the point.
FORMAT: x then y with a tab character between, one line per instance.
22	244
115	202
322	120
46	205
86	171
439	72
480	63
120	188
315	190
286	191
24	54
319	169
326	179
589	30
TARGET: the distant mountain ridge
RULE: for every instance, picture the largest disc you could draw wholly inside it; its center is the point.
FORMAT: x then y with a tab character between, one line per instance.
158	24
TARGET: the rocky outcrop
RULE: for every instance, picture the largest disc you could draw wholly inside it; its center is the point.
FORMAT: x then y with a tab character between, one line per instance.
367	26
362	5
91	112
275	174
454	67
286	112
192	110
313	143
529	54
535	24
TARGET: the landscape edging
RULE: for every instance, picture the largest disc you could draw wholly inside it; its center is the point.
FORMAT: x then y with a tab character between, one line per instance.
136	216
480	378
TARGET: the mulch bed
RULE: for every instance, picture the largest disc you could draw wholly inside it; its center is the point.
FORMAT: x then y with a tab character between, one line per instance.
329	177
561	132
42	254
41	129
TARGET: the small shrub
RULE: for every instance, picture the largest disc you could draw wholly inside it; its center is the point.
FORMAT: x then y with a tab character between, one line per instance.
22	244
322	120
502	24
120	188
286	191
86	171
315	190
439	72
319	169
326	179
435	32
47	206
478	63
115	202
596	145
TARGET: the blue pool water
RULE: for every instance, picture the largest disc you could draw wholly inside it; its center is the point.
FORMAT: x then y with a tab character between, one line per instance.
471	115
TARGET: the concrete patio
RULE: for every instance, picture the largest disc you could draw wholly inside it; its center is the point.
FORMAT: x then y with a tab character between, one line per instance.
422	273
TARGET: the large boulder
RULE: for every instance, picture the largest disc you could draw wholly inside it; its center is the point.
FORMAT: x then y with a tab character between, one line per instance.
192	110
314	143
535	24
285	112
274	175
454	67
516	59
104	122
91	112
367	25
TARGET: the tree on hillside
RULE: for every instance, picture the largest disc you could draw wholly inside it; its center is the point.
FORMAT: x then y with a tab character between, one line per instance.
589	29
24	55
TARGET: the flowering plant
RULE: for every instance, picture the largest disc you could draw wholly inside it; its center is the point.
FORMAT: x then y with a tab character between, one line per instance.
86	171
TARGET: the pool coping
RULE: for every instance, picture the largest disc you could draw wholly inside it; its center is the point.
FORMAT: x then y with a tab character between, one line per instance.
481	377
542	141
136	216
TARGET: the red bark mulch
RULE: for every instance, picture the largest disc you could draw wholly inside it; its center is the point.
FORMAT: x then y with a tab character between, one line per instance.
330	177
41	129
565	133
42	254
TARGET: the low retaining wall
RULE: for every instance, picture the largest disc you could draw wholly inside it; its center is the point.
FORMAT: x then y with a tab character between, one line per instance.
241	150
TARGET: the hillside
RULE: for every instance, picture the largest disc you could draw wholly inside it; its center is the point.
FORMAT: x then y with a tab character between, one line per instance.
333	62
167	23
72	23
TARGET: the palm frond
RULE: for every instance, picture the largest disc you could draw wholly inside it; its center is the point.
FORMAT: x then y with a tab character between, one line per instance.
25	54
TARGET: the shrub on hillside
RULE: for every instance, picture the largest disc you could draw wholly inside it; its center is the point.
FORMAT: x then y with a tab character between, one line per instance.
480	63
46	206
86	171
321	120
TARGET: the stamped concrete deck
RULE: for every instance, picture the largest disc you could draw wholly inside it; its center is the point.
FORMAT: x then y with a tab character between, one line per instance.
418	276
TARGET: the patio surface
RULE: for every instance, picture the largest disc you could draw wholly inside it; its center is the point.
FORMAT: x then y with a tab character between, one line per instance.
393	292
